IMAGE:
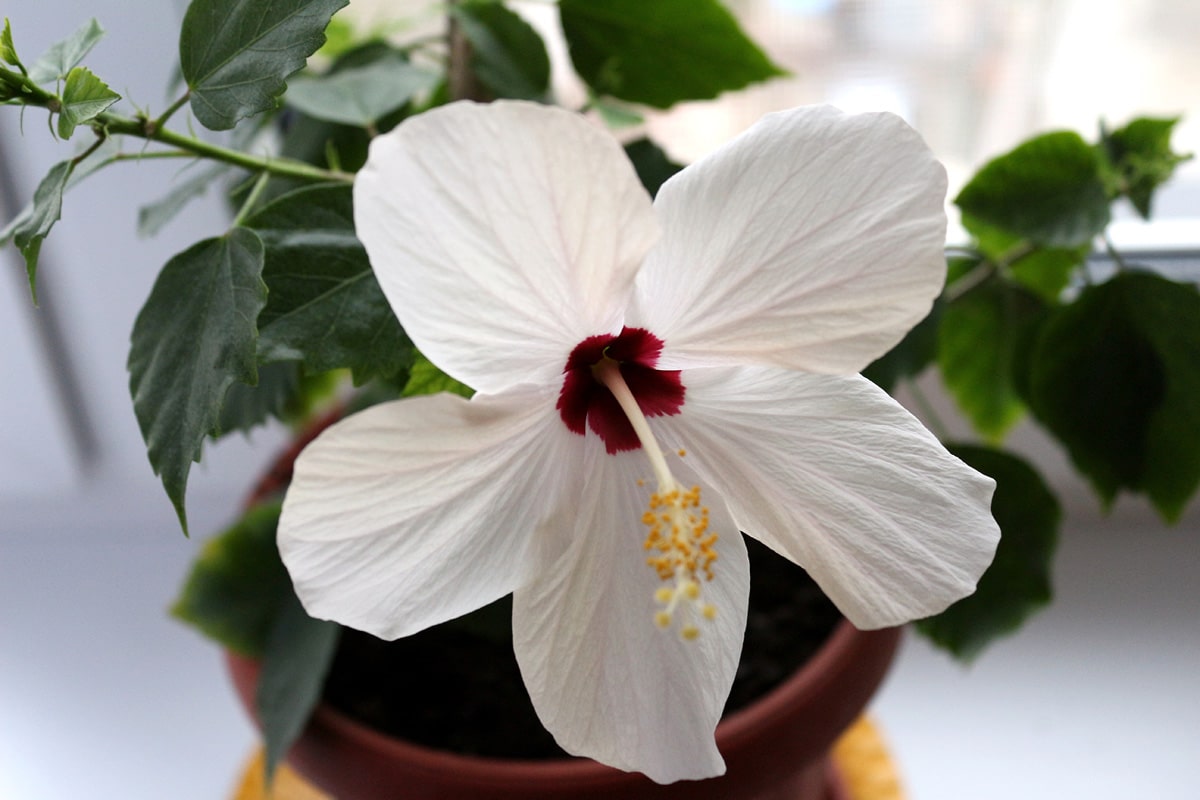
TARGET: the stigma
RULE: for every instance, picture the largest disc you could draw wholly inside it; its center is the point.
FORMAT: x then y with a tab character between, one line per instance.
681	549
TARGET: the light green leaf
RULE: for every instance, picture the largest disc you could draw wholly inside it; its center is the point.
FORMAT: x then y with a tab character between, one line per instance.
1018	581
235	54
154	216
64	56
663	52
1140	153
360	96
425	378
1046	271
32	226
84	97
237	585
977	348
508	55
1048	190
193	338
8	51
326	309
295	662
1115	377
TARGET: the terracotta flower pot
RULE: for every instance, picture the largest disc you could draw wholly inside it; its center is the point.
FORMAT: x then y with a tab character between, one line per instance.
775	749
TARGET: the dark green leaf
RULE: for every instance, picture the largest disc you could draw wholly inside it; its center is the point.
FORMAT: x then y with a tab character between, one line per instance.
425	378
663	52
63	56
911	356
363	95
152	217
83	98
1115	377
1048	190
235	54
326	308
295	662
246	406
652	164
1018	581
978	342
1140	153
194	337
238	584
508	55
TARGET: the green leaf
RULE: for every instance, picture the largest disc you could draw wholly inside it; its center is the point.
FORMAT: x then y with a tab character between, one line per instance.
246	407
235	54
425	378
325	308
616	115
237	585
192	339
1018	581
8	51
652	164
508	55
911	356
1140	153
152	217
1046	271
84	97
978	341
1115	377
363	95
31	227
295	662
64	56
1048	190
661	53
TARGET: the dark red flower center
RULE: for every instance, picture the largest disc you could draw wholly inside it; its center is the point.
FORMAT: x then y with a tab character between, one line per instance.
585	402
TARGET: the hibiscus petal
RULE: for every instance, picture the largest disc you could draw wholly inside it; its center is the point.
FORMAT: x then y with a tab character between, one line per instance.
813	241
832	473
502	236
414	512
605	680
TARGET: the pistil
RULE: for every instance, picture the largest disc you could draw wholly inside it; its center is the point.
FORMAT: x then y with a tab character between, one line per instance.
682	547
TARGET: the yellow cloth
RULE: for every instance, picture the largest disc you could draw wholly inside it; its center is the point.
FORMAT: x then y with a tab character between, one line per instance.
860	754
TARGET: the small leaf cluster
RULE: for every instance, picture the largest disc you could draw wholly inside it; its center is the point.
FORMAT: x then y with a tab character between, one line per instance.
1107	363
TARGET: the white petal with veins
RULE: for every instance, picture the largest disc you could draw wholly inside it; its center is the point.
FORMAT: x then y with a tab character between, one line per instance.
414	512
502	236
832	473
604	679
813	241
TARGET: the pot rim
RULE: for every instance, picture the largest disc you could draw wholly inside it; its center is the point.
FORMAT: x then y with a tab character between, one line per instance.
760	720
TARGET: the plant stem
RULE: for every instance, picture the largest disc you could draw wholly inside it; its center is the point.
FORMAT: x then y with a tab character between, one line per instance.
166	115
283	167
256	192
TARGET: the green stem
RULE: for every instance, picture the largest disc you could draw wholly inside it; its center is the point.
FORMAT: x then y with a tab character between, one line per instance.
283	167
159	123
252	199
1118	261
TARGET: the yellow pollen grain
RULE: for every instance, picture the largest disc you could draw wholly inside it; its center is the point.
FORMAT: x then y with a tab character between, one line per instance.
662	619
689	632
682	452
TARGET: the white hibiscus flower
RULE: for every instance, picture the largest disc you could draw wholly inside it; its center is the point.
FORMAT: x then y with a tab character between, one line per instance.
607	337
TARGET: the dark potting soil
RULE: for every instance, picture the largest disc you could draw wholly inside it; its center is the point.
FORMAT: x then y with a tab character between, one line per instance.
451	688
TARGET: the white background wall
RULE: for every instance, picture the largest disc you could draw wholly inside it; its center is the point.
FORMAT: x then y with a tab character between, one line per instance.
102	696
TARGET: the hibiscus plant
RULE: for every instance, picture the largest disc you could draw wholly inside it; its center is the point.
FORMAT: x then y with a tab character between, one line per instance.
581	372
